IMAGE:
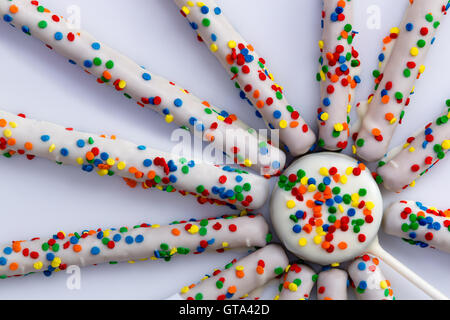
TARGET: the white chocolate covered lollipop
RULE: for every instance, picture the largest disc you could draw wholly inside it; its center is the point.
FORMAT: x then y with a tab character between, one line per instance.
368	280
297	283
249	72
174	103
338	77
332	284
137	164
327	208
418	155
402	65
239	277
418	224
142	242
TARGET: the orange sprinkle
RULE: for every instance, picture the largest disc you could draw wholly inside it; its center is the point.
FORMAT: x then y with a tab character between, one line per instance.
294	124
232	289
389	116
250	47
3	123
302	189
342	245
307	228
286	284
376	261
11	142
13	266
326	245
89	156
367	212
16	246
421	214
385	99
337	177
341	3
151	174
319	222
362	166
376	132
334	78
130	183
310	204
77	248
176	232
344	34
233	117
13	9
260	104
107	75
206	103
139	175
132	170
240	274
229	59
259	270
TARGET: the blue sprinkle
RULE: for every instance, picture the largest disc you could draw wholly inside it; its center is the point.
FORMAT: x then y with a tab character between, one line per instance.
146	76
64	152
129	239
104	156
59	36
95	46
178	102
7	250
117	237
95	251
7	18
409	26
276	164
204	10
142	147
412	235
217	10
297	228
73	240
363	285
139	238
351	212
213	37
361	266
45	138
26	30
147	163
81	143
50	256
277	114
3	261
326	102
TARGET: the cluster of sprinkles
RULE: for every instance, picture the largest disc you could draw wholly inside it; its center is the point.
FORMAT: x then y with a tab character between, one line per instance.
137	164
400	65
418	155
174	103
368	279
249	72
239	277
330	210
296	283
141	242
338	65
419	225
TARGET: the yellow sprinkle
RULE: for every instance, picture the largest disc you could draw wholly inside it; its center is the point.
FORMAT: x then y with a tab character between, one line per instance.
173	251
7	133
153	258
312	188
319	230
282	124
321	44
102	172
131	261
110	162
349	108
38	265
422	69
277	297
121	165
414	51
122	84
323	171
335	264
370	99
13	124
169	118
338	127
370	205
159	187
324	116
302	242
247	162
220	118
353	149
395	30
341	208
446	144
344	179
190	3
232	44
322	75
317	239
186	10
200	4
106	233
184	289
349	171
304	181
406	145
193	229
240	268
80	161
393	120
224	244
412	149
287	268
383	284
412	184
290	204
52	147
156	226
292	287
214	47
56	262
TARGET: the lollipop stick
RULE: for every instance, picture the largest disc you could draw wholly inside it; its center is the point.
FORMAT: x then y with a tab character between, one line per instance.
377	250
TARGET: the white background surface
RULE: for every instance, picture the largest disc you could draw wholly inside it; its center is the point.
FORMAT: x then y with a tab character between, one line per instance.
39	198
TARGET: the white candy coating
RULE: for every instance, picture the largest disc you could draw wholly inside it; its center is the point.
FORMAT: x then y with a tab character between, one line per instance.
338	69
417	156
297	283
419	224
240	277
248	70
129	244
401	67
136	164
333	225
332	285
368	279
174	103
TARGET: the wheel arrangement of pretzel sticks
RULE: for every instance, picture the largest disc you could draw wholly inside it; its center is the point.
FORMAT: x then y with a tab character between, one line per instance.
326	208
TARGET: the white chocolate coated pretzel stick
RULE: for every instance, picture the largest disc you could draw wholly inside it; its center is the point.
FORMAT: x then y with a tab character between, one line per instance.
249	72
239	277
90	247
418	155
174	103
418	224
332	284
368	280
297	282
337	75
413	39
137	164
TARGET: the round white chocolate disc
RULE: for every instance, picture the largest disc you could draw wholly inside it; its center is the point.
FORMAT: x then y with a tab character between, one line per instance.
326	208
